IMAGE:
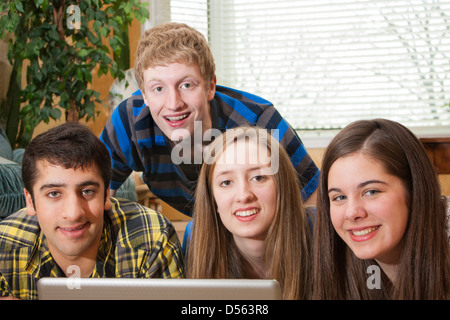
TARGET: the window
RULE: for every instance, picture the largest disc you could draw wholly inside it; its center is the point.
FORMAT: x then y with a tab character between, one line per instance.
325	63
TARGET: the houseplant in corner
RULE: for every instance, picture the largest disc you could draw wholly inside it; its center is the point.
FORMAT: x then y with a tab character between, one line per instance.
60	43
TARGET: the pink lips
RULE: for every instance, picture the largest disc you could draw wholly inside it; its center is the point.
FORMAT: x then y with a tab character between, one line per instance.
177	120
74	231
246	214
364	233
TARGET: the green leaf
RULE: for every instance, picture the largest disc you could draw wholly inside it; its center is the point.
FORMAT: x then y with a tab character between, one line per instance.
83	53
53	35
19	6
55	113
104	31
38	3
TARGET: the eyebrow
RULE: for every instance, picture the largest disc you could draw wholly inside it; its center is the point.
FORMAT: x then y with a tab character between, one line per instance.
59	185
224	172
361	185
159	80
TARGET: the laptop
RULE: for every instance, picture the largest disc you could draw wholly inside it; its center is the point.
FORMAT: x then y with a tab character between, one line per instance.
157	289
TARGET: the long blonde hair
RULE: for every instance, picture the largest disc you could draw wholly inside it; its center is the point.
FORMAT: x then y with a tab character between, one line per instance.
212	252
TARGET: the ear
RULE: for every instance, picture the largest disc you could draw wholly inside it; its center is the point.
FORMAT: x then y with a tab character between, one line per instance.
107	200
146	101
31	210
212	88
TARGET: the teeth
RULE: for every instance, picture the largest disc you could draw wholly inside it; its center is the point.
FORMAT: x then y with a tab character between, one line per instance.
246	213
72	229
364	232
184	116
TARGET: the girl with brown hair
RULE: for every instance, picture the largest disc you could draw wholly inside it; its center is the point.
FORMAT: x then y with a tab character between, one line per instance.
381	230
248	193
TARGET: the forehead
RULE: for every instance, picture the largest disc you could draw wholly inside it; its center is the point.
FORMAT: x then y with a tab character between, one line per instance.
244	151
171	70
49	173
356	168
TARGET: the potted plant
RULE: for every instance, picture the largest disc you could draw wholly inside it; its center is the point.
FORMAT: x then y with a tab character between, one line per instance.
60	43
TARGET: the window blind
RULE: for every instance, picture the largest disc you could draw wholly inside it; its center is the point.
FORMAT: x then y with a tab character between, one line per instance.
192	12
325	63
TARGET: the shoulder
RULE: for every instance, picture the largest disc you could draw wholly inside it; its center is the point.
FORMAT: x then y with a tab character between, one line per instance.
129	111
243	108
136	100
130	120
241	96
138	226
18	230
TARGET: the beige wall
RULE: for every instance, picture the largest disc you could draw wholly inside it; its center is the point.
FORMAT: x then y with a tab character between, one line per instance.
5	67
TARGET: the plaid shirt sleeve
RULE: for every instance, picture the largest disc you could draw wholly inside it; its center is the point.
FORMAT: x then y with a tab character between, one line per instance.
147	245
19	235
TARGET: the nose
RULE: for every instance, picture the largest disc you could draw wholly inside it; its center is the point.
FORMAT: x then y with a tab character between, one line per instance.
174	100
355	210
244	193
73	208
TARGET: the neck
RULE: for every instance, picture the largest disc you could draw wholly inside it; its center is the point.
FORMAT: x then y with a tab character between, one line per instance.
390	263
254	254
76	265
390	269
81	267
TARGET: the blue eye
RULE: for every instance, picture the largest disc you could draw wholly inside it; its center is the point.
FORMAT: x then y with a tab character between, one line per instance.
371	192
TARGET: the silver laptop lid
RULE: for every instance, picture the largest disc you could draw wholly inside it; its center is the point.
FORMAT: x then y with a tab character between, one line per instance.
157	289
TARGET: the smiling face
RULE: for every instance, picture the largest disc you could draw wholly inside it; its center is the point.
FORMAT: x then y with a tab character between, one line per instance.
69	204
178	95
245	191
368	207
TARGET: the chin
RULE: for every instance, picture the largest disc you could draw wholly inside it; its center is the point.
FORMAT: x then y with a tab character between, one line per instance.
364	255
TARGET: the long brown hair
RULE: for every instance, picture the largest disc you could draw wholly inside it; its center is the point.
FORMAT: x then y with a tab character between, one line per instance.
424	261
212	252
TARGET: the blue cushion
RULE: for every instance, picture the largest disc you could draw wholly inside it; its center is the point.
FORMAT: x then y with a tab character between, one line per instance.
12	197
127	190
5	147
18	155
187	236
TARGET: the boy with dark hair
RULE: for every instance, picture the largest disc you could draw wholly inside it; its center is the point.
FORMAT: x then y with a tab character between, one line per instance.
70	222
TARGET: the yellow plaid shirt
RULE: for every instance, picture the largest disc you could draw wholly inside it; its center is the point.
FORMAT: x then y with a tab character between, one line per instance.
137	242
